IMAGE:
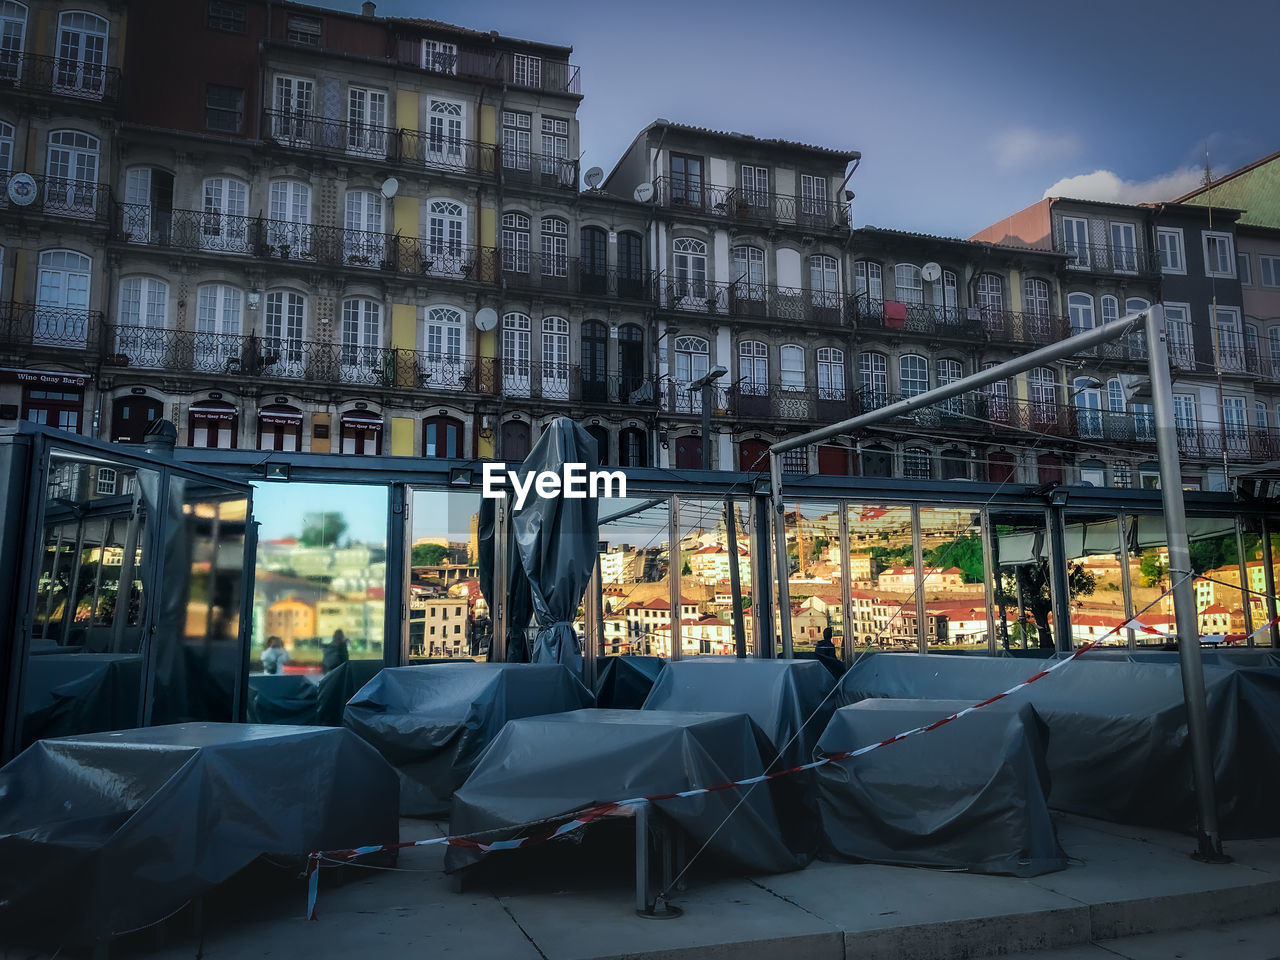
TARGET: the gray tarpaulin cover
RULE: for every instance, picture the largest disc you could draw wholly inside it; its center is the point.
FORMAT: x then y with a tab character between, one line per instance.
971	794
519	601
556	538
433	722
624	682
282	698
546	767
1118	747
339	685
106	832
779	695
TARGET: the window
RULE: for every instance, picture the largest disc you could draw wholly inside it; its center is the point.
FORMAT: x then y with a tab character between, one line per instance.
62	298
1075	241
1093	473
917	464
996	398
526	70
219	308
366	121
1243	269
989	293
442	437
59	407
873	378
792	367
289	212
226	16
1144	425
555	358
446	232
632	448
1088	403
1184	416
1115	395
224	226
755	185
593	265
516	129
442	340
813	196
1230	339
944	296
907	283
516	335
1269	270
748	273
515	243
444	134
439	56
80	68
830	373
6	138
690	261
867	280
1080	308
555	150
1172	258
692	363
824	282
223	108
71	168
212	423
1124	248
363	241
1219	255
555	247
686	180
283	329
304	30
1260	415
361	433
280	428
1181	348
294	109
1273	340
796	461
913	375
1121	474
13	30
753	368
950	371
144	302
361	337
1043	383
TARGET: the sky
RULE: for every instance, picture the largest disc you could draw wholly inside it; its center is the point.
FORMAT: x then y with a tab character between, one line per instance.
964	110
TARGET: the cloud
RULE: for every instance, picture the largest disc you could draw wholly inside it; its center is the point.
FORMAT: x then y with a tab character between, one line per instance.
1107	186
1025	145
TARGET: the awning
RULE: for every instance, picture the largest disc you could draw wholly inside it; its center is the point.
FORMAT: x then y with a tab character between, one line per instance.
51	378
362	423
214	413
281	419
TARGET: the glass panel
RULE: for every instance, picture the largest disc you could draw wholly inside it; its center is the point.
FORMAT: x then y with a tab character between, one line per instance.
882	574
448	615
84	669
813	554
954	593
321	573
707	616
1220	602
1095	572
633	576
1023	597
1262	602
1149	574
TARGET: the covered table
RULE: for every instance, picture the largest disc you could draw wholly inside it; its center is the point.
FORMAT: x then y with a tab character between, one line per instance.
546	767
339	685
81	693
625	681
107	832
282	698
779	695
1118	748
432	722
972	794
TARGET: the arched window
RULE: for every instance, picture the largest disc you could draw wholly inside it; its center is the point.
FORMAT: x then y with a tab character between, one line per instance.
555	358
516	438
1108	309
284	326
830	374
955	465
944	295
633	448
442	332
631	278
595	339
913	375
748	276
594	262
219	309
1080	307
753	368
1115	395
516	333
689	260
949	371
1035	297
442	437
362	340
1136	305
631	360
13	34
996	398
601	437
1049	468
989	292
917	464
224	227
446	229
753	455
1093	473
555	247
444	127
144	304
82	54
873	379
515	243
1043	384
792	367
877	461
692	362
6	129
907	283
363	240
280	428
213	423
1001	466
868	283
71	171
131	417
361	433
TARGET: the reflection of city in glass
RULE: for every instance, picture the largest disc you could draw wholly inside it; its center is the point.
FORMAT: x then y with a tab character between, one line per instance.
448	615
321	573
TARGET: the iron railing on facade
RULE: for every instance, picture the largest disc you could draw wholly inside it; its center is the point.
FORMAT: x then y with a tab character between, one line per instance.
486	64
747	299
1003	326
750	206
1132	347
563	381
761	402
62	76
55	196
26	325
1136	260
522	270
538	169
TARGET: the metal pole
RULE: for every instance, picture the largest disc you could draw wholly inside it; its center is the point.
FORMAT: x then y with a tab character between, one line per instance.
761	580
1126	584
988	577
1243	561
735	582
780	551
1059	581
847	640
1184	601
498	615
673	575
706	425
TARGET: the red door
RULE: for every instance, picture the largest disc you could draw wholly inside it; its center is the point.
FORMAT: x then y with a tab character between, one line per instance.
689	453
753	455
833	461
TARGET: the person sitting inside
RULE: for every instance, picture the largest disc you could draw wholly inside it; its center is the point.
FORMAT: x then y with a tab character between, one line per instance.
274	655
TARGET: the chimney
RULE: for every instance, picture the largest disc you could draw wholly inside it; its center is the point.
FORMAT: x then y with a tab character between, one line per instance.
367	8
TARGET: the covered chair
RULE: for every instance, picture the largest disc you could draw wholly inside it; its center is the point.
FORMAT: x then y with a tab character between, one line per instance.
625	681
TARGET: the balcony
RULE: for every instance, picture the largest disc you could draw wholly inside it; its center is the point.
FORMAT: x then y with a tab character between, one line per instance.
31	73
55	197
413	148
565	383
1112	259
26	325
538	169
533	73
756	208
744	299
768	402
556	274
1001	326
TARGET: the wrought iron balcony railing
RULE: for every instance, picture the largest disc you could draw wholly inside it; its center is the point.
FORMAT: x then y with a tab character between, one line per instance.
1137	260
42	325
749	206
534	73
566	382
55	197
1131	347
564	274
59	75
1002	326
746	299
801	402
538	169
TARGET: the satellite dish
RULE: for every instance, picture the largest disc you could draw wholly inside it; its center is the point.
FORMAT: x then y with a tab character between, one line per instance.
644	193
930	272
593	177
486	319
390	187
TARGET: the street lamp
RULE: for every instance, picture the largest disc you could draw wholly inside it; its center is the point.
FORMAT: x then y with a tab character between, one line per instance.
705	384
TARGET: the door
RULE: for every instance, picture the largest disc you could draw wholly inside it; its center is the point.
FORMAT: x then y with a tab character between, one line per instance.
595	338
686	180
555	358
753	456
630	363
363	241
140	321
147	216
877	462
71	169
692	363
62	299
1088	409
82	54
515	355
1233	416
294	117
443	367
289	217
748	280
13	31
1044	396
689	453
1075	241
813	198
755	189
444	134
516	441
366	122
1124	248
446	236
1184	418
594	264
225	226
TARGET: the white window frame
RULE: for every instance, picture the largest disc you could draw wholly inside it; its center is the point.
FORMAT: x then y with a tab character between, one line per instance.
920	382
906	277
1174	248
868	279
1243	260
753	368
516	230
440	57
1076	302
1269	264
1210	270
791	367
831	373
1079	249
526	70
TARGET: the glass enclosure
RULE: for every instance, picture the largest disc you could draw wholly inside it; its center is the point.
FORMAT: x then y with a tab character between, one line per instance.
953	579
634	584
882	576
448	615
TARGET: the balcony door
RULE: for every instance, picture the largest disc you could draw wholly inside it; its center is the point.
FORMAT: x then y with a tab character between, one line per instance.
147	216
594	262
1124	248
446	237
693	358
363	241
62	299
443	365
1088	408
294	110
13	32
366	122
555	358
225	224
595	339
516	330
289	219
1043	383
82	54
631	363
71	169
444	134
686	180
